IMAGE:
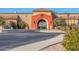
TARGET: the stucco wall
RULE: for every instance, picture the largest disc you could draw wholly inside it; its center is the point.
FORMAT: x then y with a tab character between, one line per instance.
26	17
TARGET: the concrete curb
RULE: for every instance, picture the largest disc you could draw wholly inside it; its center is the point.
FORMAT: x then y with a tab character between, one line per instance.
39	45
52	31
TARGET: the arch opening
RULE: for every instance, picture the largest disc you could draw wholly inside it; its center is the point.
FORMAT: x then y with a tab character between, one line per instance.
41	24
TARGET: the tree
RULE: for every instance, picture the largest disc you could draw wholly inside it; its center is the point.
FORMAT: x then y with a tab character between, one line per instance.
2	21
60	23
20	24
57	22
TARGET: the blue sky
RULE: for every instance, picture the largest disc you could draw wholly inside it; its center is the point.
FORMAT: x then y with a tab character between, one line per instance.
59	10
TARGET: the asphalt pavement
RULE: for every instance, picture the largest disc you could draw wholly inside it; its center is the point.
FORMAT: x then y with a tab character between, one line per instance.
15	39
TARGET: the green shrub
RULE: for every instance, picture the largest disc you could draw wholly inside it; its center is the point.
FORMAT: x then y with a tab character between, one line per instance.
71	40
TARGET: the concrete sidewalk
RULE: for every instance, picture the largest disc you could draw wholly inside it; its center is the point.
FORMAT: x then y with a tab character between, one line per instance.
39	45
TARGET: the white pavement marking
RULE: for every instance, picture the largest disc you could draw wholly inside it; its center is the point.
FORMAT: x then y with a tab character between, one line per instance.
39	45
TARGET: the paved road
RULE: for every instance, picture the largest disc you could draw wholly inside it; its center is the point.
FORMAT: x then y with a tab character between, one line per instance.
12	40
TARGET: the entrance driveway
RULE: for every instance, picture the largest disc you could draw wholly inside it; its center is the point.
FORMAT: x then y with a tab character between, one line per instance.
12	40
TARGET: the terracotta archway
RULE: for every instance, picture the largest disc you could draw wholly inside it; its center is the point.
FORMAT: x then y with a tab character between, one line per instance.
36	18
